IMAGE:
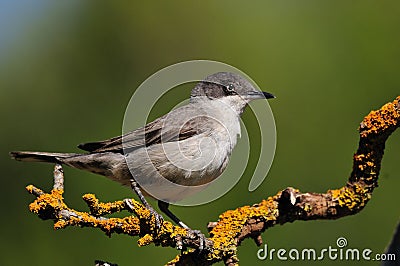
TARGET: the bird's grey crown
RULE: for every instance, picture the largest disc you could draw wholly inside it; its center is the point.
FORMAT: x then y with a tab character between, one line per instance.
222	84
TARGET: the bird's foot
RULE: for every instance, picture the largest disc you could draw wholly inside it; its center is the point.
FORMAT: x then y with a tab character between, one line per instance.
158	219
197	234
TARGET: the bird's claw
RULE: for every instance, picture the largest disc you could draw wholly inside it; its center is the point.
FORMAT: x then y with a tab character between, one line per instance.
197	234
158	219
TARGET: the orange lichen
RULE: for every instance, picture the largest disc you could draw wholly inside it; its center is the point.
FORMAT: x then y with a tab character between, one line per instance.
365	161
60	224
99	208
307	207
380	120
51	206
231	223
172	230
175	260
53	200
130	225
34	190
351	197
145	240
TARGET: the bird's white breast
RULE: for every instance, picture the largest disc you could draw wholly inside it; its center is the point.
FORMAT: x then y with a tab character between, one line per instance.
194	161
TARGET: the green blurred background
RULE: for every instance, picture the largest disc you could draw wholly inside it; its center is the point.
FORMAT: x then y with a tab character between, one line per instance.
68	69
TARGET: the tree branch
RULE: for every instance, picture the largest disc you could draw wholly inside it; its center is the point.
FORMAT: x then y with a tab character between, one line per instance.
236	225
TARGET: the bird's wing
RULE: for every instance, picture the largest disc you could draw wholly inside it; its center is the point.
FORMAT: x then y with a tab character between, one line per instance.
181	123
133	139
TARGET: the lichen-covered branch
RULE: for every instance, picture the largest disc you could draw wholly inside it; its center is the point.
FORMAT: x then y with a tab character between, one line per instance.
51	206
236	225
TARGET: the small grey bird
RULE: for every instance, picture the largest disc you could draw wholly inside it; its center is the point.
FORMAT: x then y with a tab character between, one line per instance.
177	154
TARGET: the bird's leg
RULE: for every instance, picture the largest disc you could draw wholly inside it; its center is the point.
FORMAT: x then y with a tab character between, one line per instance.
197	233
164	208
158	218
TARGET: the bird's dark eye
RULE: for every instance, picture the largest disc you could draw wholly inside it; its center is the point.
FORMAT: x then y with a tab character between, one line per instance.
230	89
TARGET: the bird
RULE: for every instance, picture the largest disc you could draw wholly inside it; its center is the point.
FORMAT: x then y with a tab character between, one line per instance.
175	155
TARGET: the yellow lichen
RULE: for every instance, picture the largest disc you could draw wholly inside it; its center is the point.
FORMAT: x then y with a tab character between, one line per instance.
145	240
53	200
172	230
351	197
174	261
307	207
31	188
378	121
231	223
130	225
60	224
99	208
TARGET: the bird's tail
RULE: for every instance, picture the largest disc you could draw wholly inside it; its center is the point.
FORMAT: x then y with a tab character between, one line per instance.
99	163
48	157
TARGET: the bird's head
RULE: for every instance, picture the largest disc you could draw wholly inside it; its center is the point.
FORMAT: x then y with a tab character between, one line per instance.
230	86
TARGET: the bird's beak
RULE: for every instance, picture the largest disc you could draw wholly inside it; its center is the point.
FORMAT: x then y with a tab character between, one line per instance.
253	95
